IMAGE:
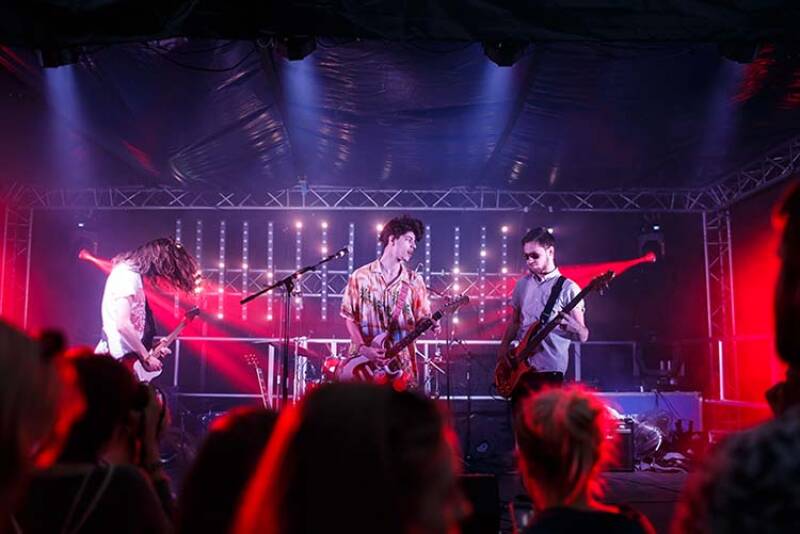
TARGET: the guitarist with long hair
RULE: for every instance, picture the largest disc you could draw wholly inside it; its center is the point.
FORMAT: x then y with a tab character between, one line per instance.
540	295
386	296
128	325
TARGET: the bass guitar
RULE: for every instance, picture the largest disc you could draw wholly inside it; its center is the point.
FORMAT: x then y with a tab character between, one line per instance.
361	368
514	364
132	361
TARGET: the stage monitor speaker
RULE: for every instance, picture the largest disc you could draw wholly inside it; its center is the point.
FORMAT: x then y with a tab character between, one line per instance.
625	451
484	496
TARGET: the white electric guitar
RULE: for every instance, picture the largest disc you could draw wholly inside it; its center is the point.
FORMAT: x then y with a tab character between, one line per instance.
136	367
361	368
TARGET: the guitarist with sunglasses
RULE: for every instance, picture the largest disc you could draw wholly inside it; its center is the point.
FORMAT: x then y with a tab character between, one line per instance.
387	297
540	295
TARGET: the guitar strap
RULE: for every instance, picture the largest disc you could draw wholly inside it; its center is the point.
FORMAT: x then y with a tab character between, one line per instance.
551	301
398	305
149	333
394	321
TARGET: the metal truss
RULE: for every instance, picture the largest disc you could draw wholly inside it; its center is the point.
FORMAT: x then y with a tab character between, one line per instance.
311	283
717	240
16	264
359	198
775	166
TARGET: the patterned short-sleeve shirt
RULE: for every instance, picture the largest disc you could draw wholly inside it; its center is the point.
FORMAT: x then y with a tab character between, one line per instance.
369	301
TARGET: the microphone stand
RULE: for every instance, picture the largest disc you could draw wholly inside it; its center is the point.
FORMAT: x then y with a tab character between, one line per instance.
288	283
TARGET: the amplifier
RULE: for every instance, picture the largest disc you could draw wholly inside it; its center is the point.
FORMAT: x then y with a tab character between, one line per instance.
623	435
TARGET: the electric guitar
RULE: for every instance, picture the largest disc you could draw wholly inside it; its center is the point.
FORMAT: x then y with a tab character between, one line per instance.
361	368
514	364
252	360
135	365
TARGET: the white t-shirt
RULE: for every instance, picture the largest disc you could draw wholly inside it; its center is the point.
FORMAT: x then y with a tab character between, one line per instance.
123	282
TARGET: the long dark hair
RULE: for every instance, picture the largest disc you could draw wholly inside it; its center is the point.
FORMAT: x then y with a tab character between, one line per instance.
163	260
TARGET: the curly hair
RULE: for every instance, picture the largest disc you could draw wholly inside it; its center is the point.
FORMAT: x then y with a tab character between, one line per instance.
163	260
402	225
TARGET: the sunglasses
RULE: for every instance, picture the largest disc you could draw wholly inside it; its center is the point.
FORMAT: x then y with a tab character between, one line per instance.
531	255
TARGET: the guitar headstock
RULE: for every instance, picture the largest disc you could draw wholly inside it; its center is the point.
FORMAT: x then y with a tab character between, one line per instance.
600	283
191	314
251	359
451	305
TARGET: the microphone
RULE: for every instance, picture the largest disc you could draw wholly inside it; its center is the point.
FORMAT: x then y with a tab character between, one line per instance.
439	293
341	253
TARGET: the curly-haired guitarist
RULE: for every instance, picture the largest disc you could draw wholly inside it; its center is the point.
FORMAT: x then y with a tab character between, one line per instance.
530	299
385	296
128	325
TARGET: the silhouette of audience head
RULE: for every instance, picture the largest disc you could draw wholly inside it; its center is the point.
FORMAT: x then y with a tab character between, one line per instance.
219	474
33	408
112	395
562	439
356	458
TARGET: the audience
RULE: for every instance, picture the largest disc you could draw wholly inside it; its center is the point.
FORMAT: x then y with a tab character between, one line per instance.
36	409
563	445
359	459
751	482
228	457
83	491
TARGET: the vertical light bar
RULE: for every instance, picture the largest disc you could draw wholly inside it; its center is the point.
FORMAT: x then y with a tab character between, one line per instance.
456	266
504	272
379	229
270	267
198	250
324	291
351	246
721	370
221	277
245	262
298	299
178	235
482	278
427	255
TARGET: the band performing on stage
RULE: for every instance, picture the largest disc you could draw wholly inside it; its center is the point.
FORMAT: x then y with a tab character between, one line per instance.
385	308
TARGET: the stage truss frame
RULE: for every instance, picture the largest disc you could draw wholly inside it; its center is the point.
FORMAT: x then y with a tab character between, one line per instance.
712	203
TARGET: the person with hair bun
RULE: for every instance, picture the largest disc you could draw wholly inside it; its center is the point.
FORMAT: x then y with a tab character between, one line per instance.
563	445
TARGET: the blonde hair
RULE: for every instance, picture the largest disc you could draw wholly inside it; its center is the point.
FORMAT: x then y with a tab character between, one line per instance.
563	439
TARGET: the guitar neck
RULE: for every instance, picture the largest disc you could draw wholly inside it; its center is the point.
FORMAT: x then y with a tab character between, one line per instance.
545	330
421	328
262	388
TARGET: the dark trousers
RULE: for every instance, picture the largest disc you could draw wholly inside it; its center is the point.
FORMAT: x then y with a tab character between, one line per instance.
531	382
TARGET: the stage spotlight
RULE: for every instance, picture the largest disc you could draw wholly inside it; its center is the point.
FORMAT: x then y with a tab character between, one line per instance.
51	58
504	53
651	242
294	48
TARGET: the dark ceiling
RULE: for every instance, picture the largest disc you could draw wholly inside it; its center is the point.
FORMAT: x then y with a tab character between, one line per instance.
236	115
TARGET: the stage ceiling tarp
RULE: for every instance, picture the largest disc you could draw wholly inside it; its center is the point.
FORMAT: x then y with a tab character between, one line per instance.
602	98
